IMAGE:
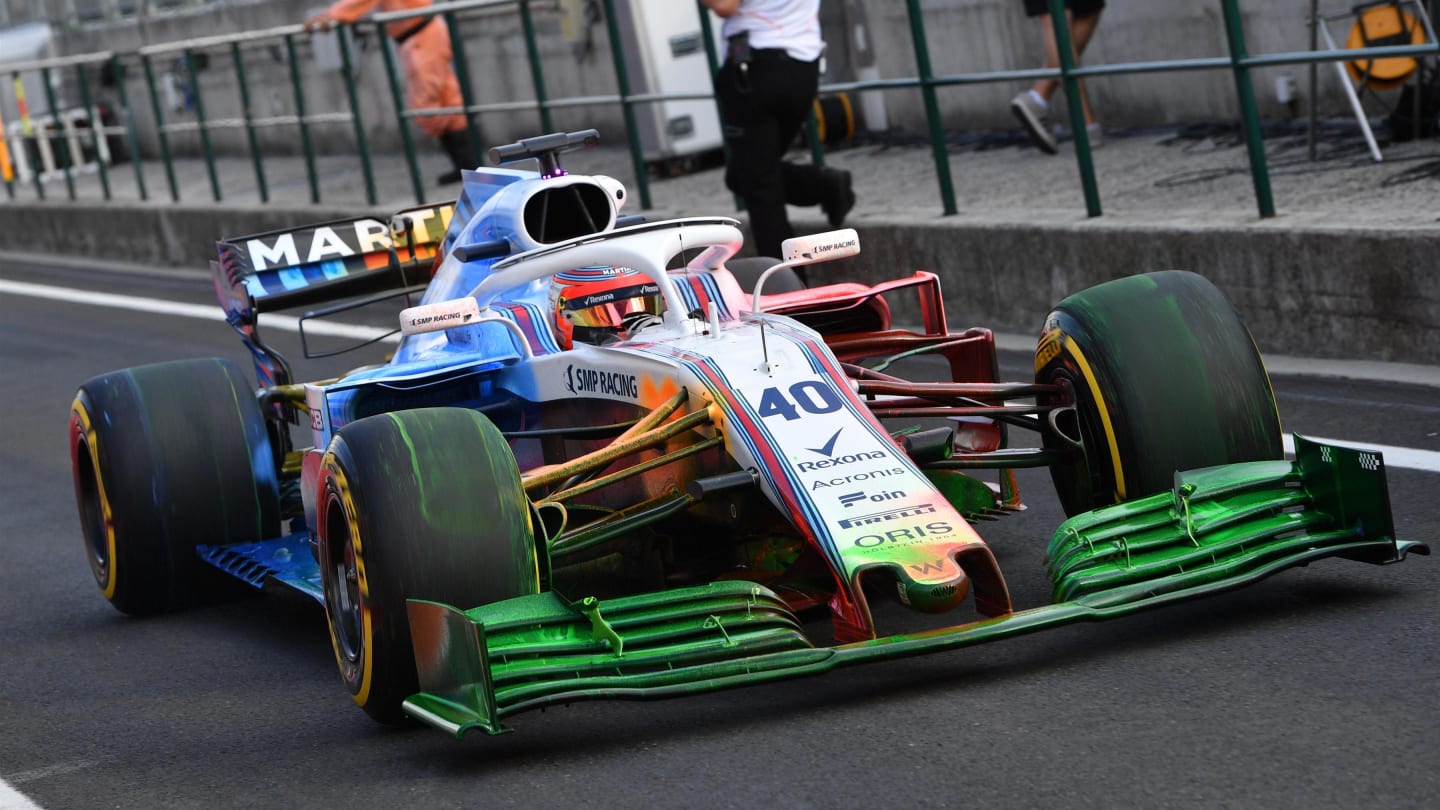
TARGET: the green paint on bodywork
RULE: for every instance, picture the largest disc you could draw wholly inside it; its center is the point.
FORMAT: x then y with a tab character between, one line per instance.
444	474
1244	522
970	496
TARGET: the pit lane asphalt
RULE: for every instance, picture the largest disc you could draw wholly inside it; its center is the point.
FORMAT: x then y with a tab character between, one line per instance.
1315	688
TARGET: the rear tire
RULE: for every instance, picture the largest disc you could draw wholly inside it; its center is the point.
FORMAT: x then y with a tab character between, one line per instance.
167	457
1165	377
416	504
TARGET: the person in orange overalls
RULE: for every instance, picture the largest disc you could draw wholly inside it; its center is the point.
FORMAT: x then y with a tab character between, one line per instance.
430	82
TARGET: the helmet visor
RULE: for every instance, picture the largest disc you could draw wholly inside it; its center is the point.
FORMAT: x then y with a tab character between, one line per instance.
608	308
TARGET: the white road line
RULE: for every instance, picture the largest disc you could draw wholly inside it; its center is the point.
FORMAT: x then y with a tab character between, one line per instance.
1406	457
58	769
12	799
208	312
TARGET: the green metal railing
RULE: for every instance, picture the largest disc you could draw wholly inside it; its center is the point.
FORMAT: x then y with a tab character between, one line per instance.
284	40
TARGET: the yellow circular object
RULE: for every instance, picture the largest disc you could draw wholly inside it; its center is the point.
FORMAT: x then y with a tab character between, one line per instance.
1379	27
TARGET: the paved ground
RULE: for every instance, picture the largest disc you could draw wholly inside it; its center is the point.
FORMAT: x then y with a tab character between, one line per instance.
1307	690
1168	178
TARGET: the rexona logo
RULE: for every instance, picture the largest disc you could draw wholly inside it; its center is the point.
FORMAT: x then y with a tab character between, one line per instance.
908	534
885	517
610	383
842	480
840	461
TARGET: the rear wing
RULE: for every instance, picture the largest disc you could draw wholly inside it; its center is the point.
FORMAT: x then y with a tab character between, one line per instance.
328	261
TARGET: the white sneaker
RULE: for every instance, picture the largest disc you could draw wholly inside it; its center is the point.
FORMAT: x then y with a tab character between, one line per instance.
1033	116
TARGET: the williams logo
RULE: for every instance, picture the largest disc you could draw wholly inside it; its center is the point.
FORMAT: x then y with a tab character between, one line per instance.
884	517
608	383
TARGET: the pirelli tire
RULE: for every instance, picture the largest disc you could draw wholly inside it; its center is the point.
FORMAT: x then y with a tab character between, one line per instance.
165	458
1164	376
417	504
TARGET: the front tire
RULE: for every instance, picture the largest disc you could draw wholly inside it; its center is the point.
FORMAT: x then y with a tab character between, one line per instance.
167	457
416	504
1164	376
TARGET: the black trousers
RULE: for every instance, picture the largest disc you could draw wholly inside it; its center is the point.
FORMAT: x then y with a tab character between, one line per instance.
762	110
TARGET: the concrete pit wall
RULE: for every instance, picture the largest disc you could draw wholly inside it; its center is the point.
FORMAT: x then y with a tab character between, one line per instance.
1309	292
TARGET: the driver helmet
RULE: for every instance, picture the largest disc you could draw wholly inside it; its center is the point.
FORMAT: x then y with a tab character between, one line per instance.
596	304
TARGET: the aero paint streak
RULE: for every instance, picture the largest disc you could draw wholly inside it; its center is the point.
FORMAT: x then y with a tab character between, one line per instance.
415	471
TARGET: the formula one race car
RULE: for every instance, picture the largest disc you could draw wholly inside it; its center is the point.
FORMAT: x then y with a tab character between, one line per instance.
603	462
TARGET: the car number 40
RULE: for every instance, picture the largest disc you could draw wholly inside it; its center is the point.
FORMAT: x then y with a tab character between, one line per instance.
811	396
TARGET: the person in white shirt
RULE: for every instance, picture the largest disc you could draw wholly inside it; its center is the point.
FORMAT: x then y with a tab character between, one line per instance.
765	89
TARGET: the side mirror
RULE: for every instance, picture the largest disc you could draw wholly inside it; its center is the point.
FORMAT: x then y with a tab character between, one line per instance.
813	249
820	247
439	316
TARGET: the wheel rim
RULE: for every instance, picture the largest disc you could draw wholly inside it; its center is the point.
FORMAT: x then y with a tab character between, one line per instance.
343	598
92	519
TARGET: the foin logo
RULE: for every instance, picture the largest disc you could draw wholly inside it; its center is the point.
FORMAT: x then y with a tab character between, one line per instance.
850	499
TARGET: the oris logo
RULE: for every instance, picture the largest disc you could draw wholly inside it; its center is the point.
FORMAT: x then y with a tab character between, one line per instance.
909	534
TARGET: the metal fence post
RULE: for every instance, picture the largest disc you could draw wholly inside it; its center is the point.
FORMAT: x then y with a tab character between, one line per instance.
55	117
622	79
462	72
96	130
400	120
365	167
299	91
1254	139
132	142
160	127
932	106
205	148
1061	22
537	72
249	120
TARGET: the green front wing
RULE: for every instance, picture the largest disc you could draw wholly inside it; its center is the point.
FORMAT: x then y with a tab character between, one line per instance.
1218	528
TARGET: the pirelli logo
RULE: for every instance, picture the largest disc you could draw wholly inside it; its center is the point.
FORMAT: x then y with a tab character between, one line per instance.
887	516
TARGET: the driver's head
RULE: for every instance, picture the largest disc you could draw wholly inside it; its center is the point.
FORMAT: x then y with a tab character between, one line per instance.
593	303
